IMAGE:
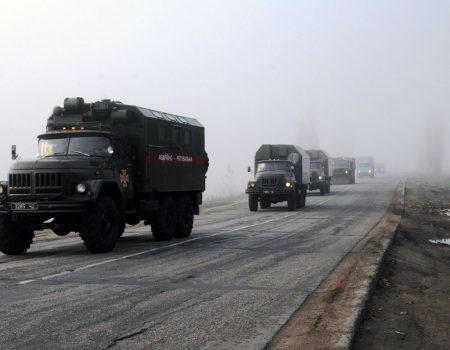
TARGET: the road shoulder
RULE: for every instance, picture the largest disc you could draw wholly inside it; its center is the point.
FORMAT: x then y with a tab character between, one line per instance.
329	316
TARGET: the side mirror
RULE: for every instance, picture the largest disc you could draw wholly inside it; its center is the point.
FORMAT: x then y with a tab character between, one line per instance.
249	169
14	154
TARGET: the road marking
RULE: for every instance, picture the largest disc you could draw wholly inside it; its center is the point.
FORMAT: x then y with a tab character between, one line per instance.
89	266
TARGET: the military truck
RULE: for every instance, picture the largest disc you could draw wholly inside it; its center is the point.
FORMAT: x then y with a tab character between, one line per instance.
101	165
281	174
321	171
344	170
379	168
366	166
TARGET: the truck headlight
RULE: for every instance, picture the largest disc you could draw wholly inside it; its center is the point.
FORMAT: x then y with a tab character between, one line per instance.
81	188
370	171
251	184
288	184
320	177
346	171
2	189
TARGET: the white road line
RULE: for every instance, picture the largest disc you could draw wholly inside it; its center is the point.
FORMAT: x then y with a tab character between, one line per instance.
89	266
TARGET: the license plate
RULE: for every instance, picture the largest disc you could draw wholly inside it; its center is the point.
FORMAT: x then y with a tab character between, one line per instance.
24	206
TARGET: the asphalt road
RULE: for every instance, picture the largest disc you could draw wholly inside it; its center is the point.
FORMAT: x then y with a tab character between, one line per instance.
232	284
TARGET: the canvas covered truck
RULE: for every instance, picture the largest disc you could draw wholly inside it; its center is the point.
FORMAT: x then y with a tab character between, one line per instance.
281	174
101	165
321	171
365	166
344	170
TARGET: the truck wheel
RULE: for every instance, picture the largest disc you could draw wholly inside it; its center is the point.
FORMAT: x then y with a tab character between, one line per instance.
185	218
101	228
329	187
14	238
301	199
264	203
164	221
253	202
292	201
323	190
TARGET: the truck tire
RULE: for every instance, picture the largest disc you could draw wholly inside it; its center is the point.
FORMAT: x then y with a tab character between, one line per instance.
329	186
164	221
101	228
323	190
253	202
264	203
301	199
185	219
14	238
292	201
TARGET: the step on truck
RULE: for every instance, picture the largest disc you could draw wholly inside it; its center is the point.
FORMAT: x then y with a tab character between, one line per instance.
321	171
281	173
344	170
100	166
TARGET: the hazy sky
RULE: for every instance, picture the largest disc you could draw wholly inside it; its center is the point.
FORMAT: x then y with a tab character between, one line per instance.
352	77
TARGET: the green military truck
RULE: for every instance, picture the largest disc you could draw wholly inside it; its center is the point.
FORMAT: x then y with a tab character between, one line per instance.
321	171
281	174
344	170
101	165
365	166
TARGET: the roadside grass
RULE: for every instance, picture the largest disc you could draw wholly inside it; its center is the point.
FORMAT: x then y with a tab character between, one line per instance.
443	182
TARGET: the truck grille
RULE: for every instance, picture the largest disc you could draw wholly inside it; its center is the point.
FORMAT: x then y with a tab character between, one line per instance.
21	183
269	182
48	182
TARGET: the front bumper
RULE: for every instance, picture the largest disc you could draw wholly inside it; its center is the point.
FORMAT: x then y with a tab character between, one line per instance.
45	208
270	191
317	184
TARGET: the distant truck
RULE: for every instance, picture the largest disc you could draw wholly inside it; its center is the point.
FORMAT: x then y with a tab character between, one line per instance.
344	169
281	174
321	171
102	165
365	166
379	169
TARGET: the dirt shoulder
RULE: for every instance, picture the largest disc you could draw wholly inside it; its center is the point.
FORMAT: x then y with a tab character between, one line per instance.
410	307
329	315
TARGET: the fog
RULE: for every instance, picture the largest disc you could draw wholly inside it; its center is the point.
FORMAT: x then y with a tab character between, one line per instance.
355	78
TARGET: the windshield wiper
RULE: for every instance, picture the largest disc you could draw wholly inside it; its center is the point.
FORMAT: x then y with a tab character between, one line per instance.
54	154
82	153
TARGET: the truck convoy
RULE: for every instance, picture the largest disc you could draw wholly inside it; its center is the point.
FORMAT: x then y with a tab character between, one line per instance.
366	167
344	169
282	173
102	165
321	171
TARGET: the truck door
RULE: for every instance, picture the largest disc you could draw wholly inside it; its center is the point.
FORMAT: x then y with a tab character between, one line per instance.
124	166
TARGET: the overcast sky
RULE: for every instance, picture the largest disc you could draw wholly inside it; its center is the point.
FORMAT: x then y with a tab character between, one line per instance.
351	77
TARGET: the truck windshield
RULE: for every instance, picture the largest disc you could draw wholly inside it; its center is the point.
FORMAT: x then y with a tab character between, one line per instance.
341	164
96	146
365	166
274	166
316	165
